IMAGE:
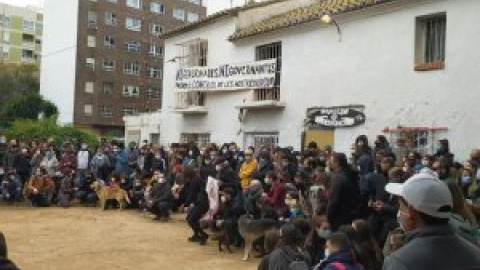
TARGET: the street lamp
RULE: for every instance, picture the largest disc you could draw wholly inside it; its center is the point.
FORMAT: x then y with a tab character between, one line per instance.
328	19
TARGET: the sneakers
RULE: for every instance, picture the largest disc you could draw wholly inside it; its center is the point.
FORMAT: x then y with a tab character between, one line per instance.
203	239
194	238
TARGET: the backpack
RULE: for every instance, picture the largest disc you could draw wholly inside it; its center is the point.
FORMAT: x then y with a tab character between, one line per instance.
298	263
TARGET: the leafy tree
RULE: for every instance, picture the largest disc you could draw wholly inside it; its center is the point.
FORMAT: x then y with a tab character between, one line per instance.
28	106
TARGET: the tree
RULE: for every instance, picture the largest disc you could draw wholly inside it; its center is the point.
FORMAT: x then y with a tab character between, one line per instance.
29	106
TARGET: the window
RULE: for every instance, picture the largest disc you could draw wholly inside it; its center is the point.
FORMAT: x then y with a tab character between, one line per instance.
91	41
133	24
133	46
108	64
194	53
430	41
156	51
197	2
89	87
192	17
156	29
39	26
108	87
157	7
109	42
132	68
155	73
6	37
92	19
28	25
6	22
129	111
131	91
90	63
134	3
5	51
259	139
27	54
421	139
187	100
112	1
179	14
154	93
106	111
110	18
28	38
198	138
266	52
88	109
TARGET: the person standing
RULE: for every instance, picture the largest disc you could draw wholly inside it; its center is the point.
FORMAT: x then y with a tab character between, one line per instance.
248	168
83	161
344	202
431	243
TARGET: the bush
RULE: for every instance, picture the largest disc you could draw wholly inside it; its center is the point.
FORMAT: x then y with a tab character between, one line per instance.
28	130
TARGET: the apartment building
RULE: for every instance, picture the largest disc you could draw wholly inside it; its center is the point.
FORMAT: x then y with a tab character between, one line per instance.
111	54
21	30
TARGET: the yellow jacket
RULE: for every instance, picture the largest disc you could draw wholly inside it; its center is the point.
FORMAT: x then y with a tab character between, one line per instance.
246	172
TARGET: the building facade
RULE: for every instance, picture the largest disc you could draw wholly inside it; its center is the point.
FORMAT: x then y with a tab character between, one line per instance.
21	30
114	56
401	68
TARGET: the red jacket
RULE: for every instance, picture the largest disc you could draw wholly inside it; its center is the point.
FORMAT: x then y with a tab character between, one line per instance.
276	197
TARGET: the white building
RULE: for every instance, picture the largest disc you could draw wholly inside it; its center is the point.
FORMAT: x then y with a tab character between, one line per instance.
403	68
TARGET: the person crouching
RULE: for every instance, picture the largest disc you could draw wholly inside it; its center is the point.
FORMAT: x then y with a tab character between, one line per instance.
161	199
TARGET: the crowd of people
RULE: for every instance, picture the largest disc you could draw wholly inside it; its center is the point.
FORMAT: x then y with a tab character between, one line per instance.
379	207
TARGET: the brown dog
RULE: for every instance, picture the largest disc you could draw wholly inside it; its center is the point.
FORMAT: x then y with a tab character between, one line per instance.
251	230
105	193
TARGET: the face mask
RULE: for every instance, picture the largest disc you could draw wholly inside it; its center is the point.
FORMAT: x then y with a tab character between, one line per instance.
223	199
327	253
327	169
202	152
323	233
207	162
123	181
3	140
12	177
190	153
38	173
241	159
224	151
137	183
161	180
84	147
360	143
24	151
425	163
466	180
268	181
285	163
218	168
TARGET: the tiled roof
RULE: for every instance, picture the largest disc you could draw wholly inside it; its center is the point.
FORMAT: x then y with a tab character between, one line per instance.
224	13
304	15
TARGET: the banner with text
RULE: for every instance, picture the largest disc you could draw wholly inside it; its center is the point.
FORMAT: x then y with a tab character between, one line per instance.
260	74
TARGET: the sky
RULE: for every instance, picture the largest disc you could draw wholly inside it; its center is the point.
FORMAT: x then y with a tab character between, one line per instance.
212	5
23	3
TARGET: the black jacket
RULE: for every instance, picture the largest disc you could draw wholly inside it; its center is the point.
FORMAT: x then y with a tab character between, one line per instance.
21	164
196	193
344	201
161	192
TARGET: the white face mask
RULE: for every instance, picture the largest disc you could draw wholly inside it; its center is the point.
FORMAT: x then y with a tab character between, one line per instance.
425	163
218	168
161	180
223	199
323	233
327	253
268	181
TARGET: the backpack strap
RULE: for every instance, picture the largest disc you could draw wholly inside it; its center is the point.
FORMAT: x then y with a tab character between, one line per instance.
338	265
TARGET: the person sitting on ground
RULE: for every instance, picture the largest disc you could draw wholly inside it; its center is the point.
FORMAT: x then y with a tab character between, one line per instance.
160	199
292	200
66	191
84	192
276	196
136	192
40	188
431	243
11	189
339	254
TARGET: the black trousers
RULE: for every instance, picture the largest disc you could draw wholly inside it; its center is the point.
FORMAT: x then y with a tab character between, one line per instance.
161	209
193	219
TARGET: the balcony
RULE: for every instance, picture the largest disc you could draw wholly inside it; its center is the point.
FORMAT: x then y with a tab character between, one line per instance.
263	99
190	103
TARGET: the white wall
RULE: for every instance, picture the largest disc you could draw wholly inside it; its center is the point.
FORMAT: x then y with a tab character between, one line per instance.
144	123
373	66
57	82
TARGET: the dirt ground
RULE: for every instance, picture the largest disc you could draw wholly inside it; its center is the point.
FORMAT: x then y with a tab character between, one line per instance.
87	238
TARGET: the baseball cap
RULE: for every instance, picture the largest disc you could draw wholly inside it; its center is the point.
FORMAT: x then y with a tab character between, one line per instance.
425	193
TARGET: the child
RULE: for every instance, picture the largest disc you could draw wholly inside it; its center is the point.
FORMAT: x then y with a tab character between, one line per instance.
252	194
339	254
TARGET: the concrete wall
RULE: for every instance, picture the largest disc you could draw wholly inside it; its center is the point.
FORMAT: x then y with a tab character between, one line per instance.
372	66
59	50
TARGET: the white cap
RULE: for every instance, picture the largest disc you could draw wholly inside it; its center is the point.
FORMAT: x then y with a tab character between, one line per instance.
425	193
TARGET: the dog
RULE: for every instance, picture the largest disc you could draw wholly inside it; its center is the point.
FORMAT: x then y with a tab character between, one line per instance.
105	193
251	229
227	235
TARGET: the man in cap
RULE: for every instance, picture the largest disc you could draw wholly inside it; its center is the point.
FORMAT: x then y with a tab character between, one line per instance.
425	204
